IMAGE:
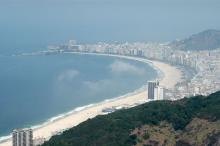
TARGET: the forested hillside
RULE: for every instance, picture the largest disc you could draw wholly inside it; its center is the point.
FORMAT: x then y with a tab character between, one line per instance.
155	123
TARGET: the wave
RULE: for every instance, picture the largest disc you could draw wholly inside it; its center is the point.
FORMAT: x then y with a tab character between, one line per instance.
75	110
4	138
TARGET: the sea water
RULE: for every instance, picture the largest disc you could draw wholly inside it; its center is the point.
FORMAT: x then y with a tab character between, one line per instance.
34	89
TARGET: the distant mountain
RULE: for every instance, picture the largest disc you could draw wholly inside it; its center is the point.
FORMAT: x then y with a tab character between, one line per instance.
188	122
206	40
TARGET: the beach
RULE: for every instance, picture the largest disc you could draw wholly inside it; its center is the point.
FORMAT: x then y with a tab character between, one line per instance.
169	76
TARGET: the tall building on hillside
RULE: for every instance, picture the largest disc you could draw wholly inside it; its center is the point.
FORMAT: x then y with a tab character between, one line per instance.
158	93
22	137
151	86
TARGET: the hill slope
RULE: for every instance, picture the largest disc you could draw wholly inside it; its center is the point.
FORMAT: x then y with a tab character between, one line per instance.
154	123
206	40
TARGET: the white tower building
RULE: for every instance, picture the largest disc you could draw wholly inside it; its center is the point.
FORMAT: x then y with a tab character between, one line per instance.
158	93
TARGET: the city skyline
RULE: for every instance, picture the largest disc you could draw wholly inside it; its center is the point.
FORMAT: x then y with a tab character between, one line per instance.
109	72
91	21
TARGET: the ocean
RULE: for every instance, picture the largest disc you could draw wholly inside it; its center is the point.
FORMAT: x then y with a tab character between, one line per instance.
34	89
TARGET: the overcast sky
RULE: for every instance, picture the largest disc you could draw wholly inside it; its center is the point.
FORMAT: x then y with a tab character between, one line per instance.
37	23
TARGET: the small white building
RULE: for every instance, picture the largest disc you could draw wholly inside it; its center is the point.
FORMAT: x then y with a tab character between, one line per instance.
158	93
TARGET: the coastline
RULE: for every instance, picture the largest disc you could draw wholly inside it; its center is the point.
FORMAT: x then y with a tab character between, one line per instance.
168	76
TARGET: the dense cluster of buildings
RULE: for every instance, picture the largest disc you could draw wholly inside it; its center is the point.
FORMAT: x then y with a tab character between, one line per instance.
204	65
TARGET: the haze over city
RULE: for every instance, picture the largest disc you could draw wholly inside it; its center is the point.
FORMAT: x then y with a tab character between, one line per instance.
109	73
36	24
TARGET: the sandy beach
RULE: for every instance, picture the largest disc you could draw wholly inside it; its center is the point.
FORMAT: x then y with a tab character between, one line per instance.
170	76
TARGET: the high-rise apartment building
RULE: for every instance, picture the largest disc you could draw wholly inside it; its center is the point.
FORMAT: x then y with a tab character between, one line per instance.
22	137
151	86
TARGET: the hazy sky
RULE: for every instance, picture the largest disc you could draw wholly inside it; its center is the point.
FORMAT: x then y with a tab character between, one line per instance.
37	23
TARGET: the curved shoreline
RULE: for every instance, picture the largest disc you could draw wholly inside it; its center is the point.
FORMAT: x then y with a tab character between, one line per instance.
168	76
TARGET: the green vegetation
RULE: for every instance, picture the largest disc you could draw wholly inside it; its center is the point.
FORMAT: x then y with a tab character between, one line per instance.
162	134
116	129
199	132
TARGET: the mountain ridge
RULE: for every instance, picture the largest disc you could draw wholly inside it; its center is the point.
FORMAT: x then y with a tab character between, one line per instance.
206	40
